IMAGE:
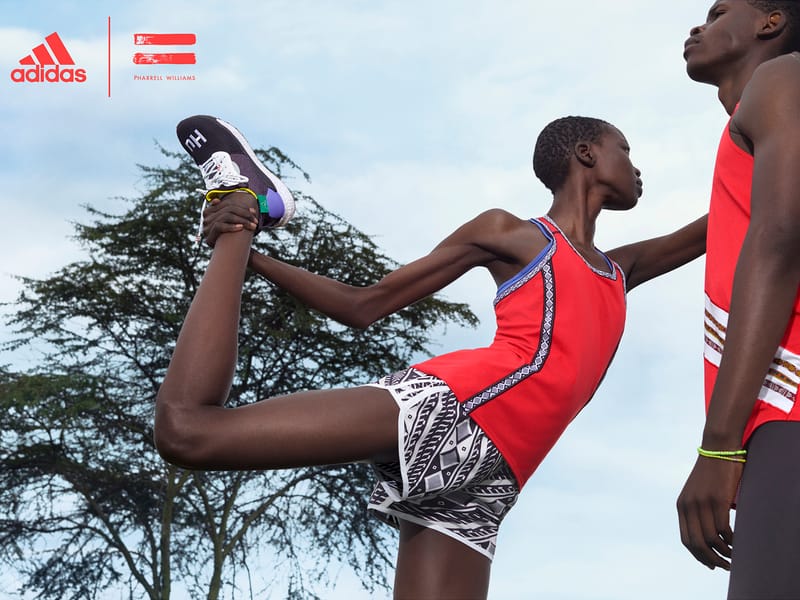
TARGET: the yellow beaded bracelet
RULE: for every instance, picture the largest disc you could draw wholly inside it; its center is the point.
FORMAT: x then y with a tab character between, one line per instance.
212	194
729	455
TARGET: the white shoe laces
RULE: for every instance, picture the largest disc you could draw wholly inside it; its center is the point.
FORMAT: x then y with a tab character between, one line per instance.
219	171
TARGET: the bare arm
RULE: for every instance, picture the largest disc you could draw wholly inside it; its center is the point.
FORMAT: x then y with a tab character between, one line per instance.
642	261
473	244
765	286
362	306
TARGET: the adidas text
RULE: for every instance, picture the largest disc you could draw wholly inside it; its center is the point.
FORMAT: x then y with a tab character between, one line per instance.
54	74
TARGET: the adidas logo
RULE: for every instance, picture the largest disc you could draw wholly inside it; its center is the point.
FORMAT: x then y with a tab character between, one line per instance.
46	62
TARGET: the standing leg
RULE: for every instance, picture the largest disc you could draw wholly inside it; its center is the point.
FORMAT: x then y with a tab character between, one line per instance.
766	539
194	430
434	566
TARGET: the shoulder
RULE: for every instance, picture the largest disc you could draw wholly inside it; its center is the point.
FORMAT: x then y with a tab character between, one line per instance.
502	226
779	75
497	218
504	236
770	99
495	224
782	65
485	230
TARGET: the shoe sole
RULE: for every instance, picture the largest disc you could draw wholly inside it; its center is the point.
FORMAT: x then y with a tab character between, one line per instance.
280	187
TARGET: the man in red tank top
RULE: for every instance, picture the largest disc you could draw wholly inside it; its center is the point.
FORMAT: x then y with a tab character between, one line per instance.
751	439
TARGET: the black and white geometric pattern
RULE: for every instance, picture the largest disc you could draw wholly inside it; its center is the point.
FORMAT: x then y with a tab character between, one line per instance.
451	477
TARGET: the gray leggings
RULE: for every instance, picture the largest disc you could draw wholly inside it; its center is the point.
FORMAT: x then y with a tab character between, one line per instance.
766	545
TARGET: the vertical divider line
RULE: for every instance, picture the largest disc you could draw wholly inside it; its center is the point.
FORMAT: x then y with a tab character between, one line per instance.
109	56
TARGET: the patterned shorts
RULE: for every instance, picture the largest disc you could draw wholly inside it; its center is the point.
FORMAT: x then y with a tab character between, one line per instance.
450	476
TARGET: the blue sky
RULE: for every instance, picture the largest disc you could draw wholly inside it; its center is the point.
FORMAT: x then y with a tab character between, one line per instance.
412	117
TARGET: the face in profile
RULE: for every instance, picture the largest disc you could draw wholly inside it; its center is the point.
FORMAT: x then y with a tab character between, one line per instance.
616	171
726	37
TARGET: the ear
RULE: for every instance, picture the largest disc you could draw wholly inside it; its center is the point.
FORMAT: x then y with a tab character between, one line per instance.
773	24
585	154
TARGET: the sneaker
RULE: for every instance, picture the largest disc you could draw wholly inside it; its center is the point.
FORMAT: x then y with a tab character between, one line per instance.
228	163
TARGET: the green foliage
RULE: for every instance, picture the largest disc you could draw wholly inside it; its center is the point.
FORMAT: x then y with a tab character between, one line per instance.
87	505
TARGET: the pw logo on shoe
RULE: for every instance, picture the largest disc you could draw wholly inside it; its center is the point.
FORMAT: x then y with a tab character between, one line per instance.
195	140
49	62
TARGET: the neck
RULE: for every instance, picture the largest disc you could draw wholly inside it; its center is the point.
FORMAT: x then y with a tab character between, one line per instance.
576	219
731	88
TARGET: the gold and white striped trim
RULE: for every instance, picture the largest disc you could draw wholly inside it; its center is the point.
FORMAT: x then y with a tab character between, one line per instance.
783	376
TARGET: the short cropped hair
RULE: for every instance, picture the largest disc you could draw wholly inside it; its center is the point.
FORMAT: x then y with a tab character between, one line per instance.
554	146
791	10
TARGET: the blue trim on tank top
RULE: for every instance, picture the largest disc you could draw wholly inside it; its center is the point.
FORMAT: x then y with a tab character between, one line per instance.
535	262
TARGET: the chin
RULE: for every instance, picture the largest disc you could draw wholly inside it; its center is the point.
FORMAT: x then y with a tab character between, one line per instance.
700	73
622	206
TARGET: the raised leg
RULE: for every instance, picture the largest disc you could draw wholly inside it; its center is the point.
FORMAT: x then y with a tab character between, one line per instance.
193	429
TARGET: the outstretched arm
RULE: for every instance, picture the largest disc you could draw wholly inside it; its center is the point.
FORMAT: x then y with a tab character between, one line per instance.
473	244
361	306
642	261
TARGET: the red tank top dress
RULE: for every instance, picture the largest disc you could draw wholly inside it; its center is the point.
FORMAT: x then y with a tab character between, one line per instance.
728	220
559	322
